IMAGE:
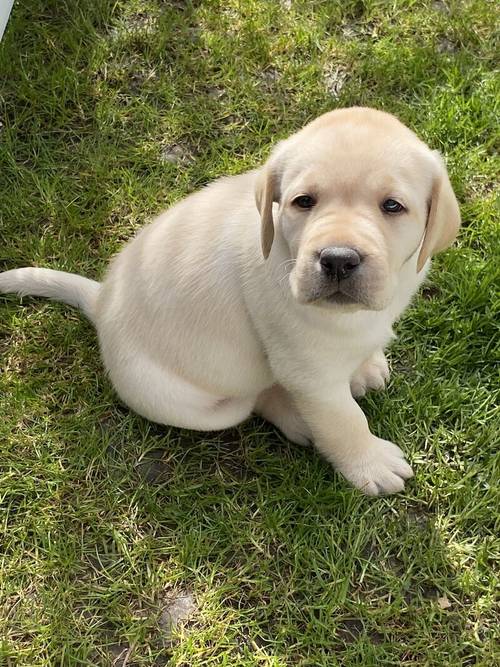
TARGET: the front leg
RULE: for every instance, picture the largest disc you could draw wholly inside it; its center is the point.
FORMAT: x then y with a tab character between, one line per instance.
372	374
340	432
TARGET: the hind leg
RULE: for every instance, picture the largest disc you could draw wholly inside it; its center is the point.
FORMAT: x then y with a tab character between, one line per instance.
275	405
166	398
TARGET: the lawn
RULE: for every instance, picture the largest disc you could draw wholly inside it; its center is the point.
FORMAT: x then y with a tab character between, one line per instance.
127	543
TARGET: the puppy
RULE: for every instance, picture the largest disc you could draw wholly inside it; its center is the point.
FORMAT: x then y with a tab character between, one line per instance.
275	291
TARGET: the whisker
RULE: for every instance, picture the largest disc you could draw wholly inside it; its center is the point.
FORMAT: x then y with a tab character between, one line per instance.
285	267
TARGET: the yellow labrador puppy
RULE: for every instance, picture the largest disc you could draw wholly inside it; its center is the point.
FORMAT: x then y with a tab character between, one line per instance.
222	307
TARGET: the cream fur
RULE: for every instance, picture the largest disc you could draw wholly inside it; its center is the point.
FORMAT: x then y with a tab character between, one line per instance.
198	329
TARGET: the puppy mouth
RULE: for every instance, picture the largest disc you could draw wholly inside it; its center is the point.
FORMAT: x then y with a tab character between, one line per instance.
341	299
354	293
364	290
335	295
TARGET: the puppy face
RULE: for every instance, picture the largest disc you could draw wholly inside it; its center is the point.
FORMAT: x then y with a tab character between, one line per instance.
356	195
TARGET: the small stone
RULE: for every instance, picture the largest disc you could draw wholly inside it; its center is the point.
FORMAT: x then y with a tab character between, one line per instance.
270	75
216	93
153	468
445	45
178	609
440	6
174	154
443	602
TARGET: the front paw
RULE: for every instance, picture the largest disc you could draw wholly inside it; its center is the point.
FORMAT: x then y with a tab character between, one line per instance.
381	468
373	374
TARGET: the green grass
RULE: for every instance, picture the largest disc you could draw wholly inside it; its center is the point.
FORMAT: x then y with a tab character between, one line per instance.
107	518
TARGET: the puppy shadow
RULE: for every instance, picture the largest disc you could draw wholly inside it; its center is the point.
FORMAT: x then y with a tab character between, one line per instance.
222	502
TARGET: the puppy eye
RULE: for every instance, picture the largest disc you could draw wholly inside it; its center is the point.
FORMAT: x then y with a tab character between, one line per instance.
392	206
304	201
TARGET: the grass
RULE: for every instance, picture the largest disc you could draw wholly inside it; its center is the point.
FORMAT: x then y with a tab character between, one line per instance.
113	109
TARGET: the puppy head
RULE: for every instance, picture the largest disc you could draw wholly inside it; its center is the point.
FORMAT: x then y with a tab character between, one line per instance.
355	195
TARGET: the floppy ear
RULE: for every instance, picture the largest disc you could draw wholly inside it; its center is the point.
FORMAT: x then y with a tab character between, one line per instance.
443	221
266	193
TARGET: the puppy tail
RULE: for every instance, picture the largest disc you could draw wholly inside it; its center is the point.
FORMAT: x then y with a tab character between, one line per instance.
67	287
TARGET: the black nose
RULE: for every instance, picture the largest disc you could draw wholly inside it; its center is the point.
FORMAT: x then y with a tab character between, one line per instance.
339	262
